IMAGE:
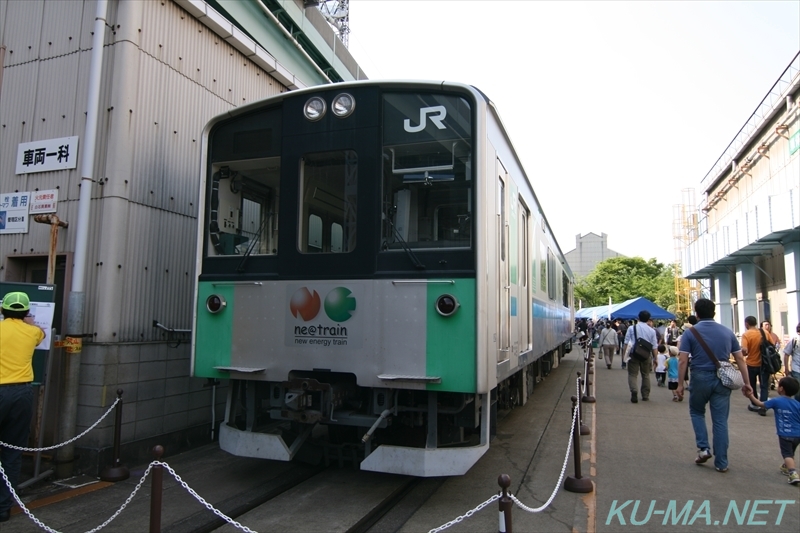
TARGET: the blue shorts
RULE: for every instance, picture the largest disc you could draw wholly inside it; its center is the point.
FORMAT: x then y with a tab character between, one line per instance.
788	445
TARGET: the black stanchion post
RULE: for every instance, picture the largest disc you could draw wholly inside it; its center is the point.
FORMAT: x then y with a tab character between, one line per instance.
156	492
506	503
116	472
577	483
587	395
584	428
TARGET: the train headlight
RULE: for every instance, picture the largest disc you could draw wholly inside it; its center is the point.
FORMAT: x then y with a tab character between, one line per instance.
343	105
447	305
315	108
215	303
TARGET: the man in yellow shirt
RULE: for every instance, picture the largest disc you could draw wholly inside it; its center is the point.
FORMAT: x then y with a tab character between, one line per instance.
18	338
751	348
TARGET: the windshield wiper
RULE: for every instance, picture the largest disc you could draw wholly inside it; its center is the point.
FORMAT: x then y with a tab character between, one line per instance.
253	243
414	259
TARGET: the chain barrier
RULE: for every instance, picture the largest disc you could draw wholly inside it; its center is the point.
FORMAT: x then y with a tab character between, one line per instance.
178	478
514	498
200	499
51	530
563	466
468	514
70	441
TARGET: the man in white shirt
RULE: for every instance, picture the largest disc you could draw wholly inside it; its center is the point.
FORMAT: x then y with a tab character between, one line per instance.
640	363
791	358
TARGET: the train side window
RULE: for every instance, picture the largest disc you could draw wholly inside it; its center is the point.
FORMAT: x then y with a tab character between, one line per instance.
328	200
543	268
243	207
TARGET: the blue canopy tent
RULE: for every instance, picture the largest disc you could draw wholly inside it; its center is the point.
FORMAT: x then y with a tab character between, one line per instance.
626	310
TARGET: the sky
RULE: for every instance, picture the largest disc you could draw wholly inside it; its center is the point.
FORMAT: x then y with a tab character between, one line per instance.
618	110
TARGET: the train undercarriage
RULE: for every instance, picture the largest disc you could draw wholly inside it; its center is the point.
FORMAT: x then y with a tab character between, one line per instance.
325	416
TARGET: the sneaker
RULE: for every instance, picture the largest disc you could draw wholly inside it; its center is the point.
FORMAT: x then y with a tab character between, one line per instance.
762	411
753	408
645	399
784	470
624	366
703	456
722	470
674	398
794	478
634	398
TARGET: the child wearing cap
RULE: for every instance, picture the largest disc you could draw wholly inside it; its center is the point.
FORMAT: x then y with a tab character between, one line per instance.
18	338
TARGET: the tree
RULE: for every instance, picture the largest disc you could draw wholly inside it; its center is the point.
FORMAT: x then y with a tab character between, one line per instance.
623	278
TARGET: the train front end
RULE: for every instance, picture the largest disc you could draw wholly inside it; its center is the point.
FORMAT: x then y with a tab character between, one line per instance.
337	278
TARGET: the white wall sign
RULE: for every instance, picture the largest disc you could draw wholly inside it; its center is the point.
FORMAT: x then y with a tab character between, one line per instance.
43	202
14	212
46	155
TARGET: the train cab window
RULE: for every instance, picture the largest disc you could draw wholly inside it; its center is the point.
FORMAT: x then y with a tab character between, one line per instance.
328	198
243	207
427	172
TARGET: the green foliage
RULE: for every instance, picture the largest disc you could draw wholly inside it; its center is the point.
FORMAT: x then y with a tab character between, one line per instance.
623	278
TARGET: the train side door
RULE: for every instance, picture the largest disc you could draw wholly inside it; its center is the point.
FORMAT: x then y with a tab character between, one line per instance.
524	304
504	288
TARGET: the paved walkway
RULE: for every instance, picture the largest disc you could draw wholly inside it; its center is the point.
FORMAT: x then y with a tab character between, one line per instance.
640	458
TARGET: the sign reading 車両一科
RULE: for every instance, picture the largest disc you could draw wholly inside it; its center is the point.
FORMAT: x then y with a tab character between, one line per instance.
47	155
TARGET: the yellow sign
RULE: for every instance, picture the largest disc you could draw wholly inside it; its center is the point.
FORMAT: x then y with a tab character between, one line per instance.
73	344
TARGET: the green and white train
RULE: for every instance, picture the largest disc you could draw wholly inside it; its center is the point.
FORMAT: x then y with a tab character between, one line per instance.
376	275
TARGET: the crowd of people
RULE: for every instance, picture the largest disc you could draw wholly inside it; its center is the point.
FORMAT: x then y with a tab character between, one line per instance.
692	357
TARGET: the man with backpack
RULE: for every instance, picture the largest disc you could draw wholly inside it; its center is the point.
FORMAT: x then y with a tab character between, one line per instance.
637	339
751	348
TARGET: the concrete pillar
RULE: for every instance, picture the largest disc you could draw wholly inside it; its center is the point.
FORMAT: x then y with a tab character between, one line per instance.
791	259
722	295
746	297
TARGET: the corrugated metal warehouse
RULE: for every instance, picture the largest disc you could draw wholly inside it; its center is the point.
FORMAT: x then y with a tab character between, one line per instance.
167	68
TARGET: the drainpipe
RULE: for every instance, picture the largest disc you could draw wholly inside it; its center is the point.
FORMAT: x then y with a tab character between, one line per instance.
76	303
2	63
291	38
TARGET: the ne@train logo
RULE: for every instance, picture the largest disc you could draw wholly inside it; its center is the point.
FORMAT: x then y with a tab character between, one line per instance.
436	113
318	328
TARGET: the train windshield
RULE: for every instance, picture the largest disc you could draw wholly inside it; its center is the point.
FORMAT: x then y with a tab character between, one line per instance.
244	207
328	200
427	172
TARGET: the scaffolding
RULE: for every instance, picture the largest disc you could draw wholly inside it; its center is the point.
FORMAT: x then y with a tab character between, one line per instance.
337	13
684	232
